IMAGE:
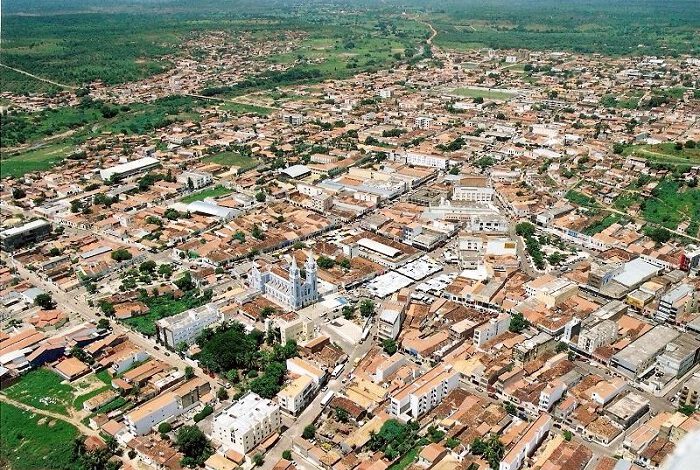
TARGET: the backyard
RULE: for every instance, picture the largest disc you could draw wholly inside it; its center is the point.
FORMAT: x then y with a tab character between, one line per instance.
214	192
42	389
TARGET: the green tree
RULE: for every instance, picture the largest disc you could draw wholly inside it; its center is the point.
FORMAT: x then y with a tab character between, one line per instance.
324	262
121	254
147	266
222	394
165	270
389	346
195	446
258	460
189	372
342	415
260	196
309	432
518	323
568	435
287	454
45	301
525	229
165	427
367	308
103	324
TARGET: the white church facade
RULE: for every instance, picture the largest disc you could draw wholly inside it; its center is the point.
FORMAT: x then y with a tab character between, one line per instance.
287	289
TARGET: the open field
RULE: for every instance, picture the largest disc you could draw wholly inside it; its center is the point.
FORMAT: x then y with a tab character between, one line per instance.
483	93
671	204
665	153
214	192
242	108
42	389
231	159
39	159
29	441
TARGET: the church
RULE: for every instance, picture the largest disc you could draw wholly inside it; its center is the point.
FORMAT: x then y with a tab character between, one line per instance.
287	288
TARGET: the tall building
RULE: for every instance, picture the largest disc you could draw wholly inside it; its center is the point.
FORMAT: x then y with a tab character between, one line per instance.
186	326
674	303
287	288
31	232
423	394
246	423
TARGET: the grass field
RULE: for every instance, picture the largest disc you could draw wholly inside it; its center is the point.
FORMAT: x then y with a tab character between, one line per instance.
665	153
162	307
29	441
42	389
580	199
40	159
672	204
214	192
407	460
602	223
231	159
483	93
242	108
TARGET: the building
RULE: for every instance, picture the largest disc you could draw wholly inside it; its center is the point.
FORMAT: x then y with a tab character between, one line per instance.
423	394
527	444
424	122
389	325
600	334
491	329
212	209
127	169
299	328
195	179
31	232
287	289
679	356
628	409
186	326
674	303
301	367
166	406
690	393
551	394
293	119
294	397
473	188
639	357
246	423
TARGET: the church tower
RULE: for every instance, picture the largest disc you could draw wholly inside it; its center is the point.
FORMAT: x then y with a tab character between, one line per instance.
294	284
311	276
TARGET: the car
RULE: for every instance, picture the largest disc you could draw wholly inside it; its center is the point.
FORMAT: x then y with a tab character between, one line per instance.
156	348
167	354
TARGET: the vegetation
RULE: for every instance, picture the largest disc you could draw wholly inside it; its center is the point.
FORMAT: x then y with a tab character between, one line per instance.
195	446
671	204
483	93
395	438
491	449
30	441
42	389
214	192
162	306
518	322
389	346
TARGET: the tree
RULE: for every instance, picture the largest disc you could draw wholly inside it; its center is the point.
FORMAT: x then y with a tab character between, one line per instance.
260	196
618	148
181	347
189	372
164	427
147	266
103	324
165	270
389	346
518	323
525	229
18	193
510	408
121	254
54	251
342	415
687	410
309	432
348	312
367	308
256	232
568	435
690	144
45	301
185	283
562	347
107	308
222	394
258	460
659	234
266	311
195	446
324	262
287	454
345	263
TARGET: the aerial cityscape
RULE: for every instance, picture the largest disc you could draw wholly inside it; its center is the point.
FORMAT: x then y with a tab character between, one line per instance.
350	234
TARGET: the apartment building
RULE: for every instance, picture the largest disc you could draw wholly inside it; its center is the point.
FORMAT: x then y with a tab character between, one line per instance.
294	397
166	406
195	179
31	232
491	329
246	423
186	326
474	188
423	394
551	394
601	334
690	393
674	303
301	367
389	325
527	444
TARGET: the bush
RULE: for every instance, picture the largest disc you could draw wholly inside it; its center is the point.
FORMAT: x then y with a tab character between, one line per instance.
164	428
206	411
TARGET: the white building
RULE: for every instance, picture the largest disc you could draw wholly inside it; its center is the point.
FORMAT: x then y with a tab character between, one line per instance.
294	397
389	325
601	334
491	329
186	326
195	179
423	394
301	367
422	159
472	194
551	394
424	122
134	167
527	444
246	423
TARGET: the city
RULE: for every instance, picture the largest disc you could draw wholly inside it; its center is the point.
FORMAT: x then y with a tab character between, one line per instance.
472	258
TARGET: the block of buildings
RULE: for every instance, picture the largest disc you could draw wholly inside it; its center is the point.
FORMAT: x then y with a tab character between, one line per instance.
246	423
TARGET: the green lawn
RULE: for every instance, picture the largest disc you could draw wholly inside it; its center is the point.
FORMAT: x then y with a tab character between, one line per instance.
231	159
78	402
580	199
665	153
242	108
406	460
214	192
482	93
29	441
162	307
41	159
42	389
601	224
671	204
